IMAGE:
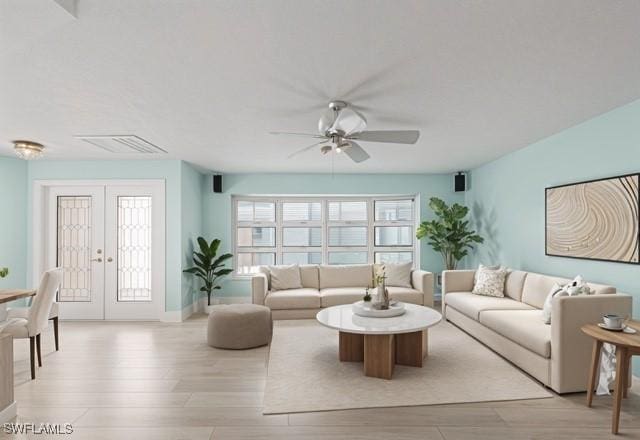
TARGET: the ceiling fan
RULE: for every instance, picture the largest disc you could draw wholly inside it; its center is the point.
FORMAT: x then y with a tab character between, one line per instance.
341	126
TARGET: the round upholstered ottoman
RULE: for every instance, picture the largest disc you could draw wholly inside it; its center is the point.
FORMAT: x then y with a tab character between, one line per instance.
239	326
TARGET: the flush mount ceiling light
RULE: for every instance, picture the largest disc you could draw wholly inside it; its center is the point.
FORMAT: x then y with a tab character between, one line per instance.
27	149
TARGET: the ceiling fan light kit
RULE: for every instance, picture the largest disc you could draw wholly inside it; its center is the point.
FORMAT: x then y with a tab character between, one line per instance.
341	125
28	150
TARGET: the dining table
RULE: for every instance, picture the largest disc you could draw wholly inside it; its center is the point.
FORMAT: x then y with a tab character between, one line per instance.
8	295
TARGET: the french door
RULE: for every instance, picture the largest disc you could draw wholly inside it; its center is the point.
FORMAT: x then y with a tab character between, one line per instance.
109	240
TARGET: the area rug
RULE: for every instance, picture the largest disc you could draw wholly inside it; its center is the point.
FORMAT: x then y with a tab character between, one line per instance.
304	374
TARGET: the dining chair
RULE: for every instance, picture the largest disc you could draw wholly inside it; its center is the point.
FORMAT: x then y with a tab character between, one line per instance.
22	312
37	316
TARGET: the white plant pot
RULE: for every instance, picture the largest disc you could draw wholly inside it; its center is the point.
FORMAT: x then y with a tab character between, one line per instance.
208	309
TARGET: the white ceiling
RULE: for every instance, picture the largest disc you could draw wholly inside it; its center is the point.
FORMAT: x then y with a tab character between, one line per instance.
207	80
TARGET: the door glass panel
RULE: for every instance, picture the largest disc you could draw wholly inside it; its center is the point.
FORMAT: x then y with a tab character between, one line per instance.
134	248
74	248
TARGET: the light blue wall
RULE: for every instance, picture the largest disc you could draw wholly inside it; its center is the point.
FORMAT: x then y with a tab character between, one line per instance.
169	170
191	210
217	207
507	196
13	221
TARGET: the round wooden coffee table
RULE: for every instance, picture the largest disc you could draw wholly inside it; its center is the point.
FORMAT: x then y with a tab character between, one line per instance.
627	345
381	343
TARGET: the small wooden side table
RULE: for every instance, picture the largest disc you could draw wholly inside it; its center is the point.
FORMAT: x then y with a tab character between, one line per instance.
627	345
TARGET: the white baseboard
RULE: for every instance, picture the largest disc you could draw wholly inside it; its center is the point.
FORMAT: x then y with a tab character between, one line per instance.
202	302
178	315
199	307
9	412
232	300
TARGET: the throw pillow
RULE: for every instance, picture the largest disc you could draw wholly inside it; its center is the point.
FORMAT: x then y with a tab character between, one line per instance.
576	287
285	277
556	290
398	275
490	282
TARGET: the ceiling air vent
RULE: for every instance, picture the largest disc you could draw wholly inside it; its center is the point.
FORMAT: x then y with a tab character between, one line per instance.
123	144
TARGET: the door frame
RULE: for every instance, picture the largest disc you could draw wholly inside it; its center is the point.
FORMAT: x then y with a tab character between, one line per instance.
40	195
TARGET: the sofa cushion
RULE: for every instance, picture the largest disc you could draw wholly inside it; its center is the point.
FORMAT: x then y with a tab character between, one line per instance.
293	299
513	284
406	295
524	327
471	305
398	275
285	277
537	286
309	276
341	295
346	276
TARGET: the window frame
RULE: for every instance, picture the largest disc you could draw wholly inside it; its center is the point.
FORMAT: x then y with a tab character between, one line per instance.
324	223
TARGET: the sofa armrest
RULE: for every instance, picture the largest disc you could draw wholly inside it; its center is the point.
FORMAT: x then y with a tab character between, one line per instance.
457	281
259	285
570	348
423	281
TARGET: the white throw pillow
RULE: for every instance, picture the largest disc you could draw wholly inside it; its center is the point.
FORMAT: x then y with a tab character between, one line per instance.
490	282
285	277
576	287
556	290
398	275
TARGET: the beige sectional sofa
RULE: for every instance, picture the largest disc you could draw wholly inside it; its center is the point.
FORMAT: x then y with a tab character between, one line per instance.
558	355
325	286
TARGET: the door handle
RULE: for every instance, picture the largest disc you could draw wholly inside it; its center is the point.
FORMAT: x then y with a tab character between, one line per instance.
99	260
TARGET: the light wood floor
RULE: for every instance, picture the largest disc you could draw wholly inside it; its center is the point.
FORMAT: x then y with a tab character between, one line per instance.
161	381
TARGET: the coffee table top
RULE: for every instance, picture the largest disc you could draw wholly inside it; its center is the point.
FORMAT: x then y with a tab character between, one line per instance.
342	318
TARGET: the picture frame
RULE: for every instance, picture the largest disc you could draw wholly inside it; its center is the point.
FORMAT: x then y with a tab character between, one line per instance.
595	219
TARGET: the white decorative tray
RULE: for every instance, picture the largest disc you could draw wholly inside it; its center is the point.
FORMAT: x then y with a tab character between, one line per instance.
365	309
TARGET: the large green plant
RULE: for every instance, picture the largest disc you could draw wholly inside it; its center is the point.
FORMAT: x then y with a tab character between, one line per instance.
449	233
207	267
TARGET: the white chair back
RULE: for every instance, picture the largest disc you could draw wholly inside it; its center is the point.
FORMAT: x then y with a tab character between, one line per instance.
38	315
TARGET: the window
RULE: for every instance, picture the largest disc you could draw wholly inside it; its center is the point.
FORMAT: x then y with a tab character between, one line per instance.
322	230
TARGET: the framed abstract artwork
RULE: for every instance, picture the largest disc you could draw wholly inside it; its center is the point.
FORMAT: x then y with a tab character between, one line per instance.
595	220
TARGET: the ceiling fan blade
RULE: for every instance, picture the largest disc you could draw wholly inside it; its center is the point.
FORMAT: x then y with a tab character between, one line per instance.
326	120
302	150
355	152
317	136
389	136
349	121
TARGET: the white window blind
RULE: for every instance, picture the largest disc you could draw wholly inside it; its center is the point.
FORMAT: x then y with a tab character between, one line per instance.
322	230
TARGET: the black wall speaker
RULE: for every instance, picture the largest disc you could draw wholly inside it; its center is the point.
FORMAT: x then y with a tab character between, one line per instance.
460	182
217	183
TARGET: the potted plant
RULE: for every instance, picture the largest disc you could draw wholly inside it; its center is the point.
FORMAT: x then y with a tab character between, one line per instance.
208	268
449	233
4	271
